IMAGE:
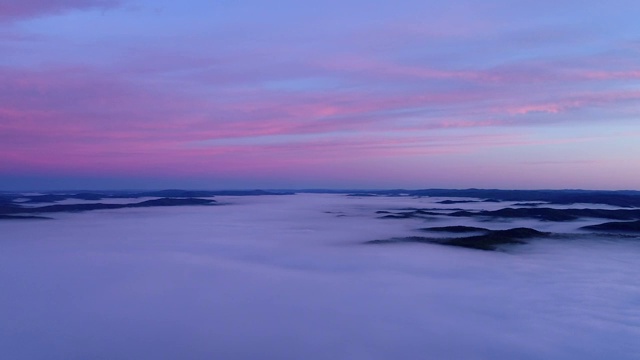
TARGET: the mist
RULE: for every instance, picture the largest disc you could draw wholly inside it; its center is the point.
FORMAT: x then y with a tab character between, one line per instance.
290	277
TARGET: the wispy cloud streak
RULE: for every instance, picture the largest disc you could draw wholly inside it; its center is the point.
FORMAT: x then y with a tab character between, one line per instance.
14	10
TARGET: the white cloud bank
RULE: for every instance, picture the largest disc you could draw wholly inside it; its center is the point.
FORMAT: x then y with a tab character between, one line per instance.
287	278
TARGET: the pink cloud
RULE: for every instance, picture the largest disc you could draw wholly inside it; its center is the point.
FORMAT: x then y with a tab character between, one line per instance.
573	102
79	119
612	75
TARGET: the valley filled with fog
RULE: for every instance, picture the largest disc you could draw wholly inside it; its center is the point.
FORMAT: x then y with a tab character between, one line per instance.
295	277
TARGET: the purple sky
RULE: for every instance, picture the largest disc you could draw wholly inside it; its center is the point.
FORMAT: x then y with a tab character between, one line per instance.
293	94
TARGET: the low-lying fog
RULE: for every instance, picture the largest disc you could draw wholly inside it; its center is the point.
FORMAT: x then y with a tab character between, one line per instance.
288	277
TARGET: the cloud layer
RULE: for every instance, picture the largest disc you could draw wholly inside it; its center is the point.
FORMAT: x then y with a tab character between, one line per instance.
285	277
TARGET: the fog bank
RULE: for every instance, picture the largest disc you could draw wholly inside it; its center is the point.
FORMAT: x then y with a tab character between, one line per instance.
288	277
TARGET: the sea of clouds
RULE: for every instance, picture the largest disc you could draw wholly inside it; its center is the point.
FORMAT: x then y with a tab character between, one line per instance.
288	277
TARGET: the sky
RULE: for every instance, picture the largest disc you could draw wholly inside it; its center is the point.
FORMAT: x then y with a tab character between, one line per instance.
319	94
